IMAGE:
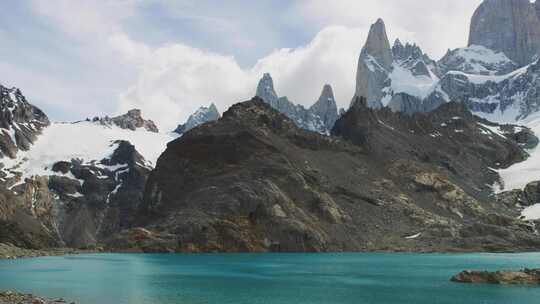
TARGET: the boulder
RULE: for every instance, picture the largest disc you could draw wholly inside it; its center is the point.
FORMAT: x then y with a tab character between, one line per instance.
525	276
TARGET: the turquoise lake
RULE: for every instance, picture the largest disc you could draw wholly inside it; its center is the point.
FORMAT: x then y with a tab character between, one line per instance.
266	278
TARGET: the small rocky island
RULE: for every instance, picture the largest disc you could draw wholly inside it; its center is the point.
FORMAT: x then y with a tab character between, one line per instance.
524	276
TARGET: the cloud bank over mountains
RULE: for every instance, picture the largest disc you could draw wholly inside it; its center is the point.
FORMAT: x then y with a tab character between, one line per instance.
169	58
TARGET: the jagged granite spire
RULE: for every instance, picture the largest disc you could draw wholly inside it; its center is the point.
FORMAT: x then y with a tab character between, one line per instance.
510	26
266	91
378	46
202	115
326	107
374	64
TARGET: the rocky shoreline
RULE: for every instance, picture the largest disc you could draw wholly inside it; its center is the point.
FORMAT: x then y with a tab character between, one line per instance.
524	276
8	251
10	297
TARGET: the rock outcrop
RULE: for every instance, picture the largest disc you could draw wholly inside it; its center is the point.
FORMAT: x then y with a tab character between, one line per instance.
132	120
253	181
319	118
20	122
202	115
509	26
525	276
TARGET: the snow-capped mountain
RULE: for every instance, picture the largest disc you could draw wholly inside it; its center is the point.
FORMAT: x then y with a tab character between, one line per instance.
492	84
318	118
202	115
78	181
477	60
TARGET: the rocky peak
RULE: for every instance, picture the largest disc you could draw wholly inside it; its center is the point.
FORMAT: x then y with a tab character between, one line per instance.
378	46
326	107
374	65
132	120
266	91
20	122
202	115
510	26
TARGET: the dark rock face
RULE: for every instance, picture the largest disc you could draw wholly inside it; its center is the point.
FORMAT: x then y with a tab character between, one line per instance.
510	26
132	120
525	276
103	199
254	181
20	122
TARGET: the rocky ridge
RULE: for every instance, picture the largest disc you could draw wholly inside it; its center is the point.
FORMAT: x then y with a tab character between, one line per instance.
132	120
253	181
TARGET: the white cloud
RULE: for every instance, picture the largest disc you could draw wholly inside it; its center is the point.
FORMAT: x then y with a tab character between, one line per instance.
168	82
435	25
177	79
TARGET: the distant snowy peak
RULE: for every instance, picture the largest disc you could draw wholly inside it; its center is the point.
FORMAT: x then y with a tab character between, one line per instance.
20	122
326	107
201	116
318	118
132	120
477	60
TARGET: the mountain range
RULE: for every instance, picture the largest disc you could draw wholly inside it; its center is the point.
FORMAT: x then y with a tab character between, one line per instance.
424	159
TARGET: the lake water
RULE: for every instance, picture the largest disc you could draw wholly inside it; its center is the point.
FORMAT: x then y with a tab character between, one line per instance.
266	278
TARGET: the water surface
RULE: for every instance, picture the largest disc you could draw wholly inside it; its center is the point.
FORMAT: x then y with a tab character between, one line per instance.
266	278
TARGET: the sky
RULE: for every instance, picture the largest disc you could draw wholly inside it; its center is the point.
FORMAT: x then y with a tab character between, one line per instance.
77	58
